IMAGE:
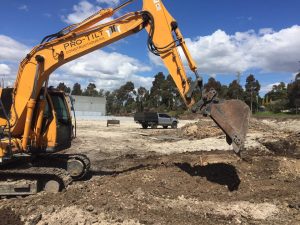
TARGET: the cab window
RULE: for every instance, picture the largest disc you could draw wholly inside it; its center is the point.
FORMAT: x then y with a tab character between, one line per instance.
60	108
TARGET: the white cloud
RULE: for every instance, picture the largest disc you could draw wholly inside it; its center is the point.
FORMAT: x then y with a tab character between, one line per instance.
268	87
294	76
155	59
83	10
11	50
23	7
267	50
107	70
4	69
264	31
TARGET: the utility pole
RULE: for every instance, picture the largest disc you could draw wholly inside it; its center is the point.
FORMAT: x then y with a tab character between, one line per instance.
251	98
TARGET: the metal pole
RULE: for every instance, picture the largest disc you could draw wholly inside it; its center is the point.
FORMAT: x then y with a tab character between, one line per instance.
251	99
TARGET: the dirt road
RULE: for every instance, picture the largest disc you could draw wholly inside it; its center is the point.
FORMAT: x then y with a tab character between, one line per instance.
184	176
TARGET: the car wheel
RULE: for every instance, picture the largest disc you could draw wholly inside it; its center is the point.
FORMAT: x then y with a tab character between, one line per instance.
174	125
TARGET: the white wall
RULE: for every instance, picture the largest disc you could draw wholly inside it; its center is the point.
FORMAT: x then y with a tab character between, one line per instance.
86	106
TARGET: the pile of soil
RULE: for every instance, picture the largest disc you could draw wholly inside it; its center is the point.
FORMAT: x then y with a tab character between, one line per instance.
190	116
200	130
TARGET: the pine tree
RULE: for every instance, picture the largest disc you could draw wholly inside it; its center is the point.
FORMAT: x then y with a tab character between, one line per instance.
252	87
76	89
64	88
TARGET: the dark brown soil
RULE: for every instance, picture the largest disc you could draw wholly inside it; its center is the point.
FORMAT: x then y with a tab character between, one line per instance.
9	217
288	146
138	188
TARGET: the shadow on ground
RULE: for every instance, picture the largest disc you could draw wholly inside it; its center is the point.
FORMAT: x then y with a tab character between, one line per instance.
220	173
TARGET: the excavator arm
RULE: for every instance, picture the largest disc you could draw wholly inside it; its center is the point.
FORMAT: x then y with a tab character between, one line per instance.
79	39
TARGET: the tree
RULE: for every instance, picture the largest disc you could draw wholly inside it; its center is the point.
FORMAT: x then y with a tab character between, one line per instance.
212	83
76	89
140	99
235	90
125	96
156	90
293	91
64	88
278	92
101	93
111	103
224	91
252	87
168	93
91	90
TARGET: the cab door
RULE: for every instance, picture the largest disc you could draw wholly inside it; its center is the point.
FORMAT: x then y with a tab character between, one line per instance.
164	119
63	121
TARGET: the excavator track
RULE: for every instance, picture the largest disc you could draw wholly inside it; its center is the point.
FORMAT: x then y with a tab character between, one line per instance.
43	172
28	180
77	165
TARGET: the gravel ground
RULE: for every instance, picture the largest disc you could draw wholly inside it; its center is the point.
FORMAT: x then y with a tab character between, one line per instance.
184	176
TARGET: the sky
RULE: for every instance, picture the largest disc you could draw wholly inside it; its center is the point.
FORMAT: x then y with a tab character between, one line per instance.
224	36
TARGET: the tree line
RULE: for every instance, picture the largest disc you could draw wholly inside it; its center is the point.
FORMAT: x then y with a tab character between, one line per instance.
163	95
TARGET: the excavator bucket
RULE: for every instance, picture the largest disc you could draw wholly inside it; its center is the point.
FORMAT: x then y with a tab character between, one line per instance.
232	117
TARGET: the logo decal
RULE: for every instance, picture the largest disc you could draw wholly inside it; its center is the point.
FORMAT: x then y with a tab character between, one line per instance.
113	29
157	4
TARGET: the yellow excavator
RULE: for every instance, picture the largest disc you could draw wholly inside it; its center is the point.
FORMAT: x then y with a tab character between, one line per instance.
35	121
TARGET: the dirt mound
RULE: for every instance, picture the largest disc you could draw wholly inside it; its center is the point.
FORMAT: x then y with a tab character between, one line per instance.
285	146
256	125
9	217
200	130
191	116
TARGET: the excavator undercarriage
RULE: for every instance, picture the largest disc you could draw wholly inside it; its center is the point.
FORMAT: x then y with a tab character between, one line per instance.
41	168
48	172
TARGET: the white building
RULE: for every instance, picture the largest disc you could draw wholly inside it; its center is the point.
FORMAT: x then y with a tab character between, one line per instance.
87	107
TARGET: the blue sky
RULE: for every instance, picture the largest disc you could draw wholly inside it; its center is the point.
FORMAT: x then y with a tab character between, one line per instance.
224	36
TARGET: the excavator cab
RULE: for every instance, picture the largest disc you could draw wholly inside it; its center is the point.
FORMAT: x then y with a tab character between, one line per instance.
57	128
56	131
